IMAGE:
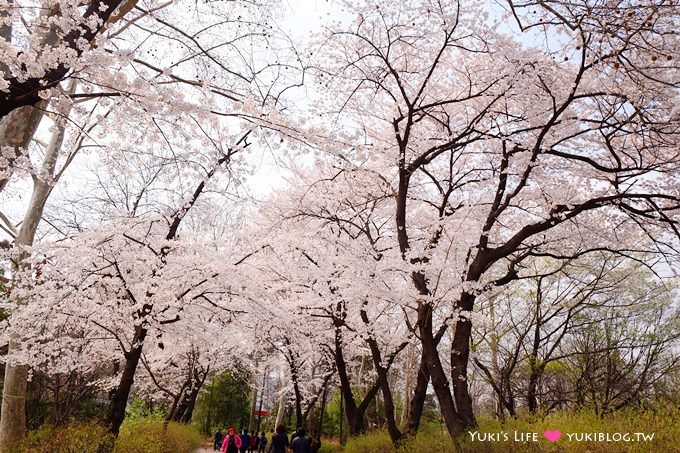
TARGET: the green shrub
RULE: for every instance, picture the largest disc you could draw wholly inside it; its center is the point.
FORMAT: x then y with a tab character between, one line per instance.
86	437
144	435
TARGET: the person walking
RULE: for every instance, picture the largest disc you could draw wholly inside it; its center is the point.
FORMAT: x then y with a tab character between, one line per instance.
300	444
217	443
279	441
263	442
254	441
245	441
231	442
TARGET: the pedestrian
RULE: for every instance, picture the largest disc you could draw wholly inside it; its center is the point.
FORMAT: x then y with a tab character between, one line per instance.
217	443
279	441
263	443
300	444
231	442
315	443
245	441
254	440
296	433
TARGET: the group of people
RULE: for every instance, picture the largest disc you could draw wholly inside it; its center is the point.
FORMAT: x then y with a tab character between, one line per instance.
240	443
244	442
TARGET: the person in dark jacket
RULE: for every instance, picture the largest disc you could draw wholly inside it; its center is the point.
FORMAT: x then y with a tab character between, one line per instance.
263	443
300	444
279	441
245	441
218	440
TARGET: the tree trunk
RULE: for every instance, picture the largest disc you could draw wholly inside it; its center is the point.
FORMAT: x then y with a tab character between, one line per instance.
119	396
417	402
13	414
460	355
280	412
440	383
13	420
190	404
322	410
409	373
16	131
172	413
355	414
299	419
532	398
253	408
395	434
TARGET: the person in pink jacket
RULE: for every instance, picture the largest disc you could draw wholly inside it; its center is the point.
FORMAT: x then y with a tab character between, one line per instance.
231	442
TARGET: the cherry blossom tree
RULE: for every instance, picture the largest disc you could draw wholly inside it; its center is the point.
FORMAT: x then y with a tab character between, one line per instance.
499	151
132	71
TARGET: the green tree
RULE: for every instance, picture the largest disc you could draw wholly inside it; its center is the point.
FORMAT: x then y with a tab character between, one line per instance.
225	401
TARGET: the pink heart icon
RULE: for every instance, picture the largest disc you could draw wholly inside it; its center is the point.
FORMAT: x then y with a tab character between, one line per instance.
552	436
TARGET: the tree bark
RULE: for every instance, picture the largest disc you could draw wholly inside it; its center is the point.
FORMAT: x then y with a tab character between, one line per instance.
417	402
188	412
13	414
440	383
395	433
119	396
13	420
355	414
460	355
16	131
280	412
253	408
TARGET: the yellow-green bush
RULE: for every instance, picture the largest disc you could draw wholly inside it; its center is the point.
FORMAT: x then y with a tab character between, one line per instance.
76	438
152	436
375	442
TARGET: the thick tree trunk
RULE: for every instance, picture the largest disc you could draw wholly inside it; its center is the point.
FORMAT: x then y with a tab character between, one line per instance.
172	414
119	396
440	383
188	411
16	131
13	420
460	355
355	414
395	433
